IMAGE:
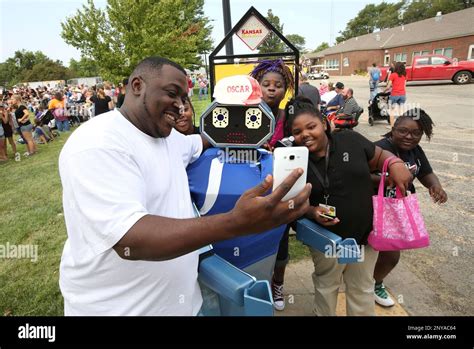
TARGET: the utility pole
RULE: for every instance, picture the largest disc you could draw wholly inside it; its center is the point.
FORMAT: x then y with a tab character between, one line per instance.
229	47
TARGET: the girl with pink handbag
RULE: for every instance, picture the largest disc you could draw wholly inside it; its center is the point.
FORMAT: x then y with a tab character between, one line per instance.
404	141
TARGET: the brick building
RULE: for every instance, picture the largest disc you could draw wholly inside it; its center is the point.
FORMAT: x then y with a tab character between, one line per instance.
451	35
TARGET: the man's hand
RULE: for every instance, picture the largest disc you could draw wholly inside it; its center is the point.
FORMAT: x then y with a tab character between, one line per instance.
438	194
255	213
400	175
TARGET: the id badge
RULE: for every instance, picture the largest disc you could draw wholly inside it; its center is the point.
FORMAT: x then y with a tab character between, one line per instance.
331	210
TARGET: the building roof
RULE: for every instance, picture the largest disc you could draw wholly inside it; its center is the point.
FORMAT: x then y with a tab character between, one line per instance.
313	55
452	25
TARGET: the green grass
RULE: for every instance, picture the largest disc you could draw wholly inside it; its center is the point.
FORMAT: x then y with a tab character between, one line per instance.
31	214
297	250
199	106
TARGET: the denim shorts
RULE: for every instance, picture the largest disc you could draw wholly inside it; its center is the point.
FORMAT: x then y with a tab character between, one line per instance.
397	99
2	133
26	128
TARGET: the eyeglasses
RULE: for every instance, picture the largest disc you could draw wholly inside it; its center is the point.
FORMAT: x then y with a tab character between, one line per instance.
405	131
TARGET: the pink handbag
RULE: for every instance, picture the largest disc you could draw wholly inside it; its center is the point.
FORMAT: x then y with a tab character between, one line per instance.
398	223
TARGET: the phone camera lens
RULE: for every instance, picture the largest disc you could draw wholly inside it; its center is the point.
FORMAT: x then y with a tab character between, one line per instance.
292	157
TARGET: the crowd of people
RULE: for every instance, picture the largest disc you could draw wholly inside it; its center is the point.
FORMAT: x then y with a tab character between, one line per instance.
38	115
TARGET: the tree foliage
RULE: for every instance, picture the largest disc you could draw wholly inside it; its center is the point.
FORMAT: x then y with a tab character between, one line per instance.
273	43
128	31
387	15
28	66
322	46
298	41
85	67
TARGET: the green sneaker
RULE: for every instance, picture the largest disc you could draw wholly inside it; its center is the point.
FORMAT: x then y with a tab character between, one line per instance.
382	297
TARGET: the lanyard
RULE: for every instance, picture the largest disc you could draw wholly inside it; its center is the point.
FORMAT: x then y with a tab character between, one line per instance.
324	182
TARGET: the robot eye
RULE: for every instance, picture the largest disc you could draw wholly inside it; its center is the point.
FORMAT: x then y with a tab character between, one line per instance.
253	118
220	117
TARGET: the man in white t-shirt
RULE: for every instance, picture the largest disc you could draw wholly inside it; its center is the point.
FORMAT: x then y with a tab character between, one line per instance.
132	239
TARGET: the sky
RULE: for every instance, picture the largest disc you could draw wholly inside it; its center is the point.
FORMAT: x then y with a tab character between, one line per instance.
35	25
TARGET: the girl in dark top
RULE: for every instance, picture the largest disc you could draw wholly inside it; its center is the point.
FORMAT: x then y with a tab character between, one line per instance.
7	128
275	79
339	170
102	103
404	141
22	116
185	123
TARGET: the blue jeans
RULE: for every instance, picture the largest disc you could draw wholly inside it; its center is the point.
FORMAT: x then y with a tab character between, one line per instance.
397	99
63	126
202	92
374	88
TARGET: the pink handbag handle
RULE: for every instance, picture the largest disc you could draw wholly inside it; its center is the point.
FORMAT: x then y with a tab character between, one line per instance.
380	196
382	178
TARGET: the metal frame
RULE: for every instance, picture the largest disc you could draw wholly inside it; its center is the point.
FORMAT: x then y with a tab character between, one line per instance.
252	12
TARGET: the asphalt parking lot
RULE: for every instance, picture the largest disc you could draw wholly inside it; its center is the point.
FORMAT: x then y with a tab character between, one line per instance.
438	280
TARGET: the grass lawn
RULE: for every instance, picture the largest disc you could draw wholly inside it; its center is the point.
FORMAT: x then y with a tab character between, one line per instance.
31	214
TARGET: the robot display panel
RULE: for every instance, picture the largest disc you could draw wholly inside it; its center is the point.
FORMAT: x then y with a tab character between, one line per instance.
237	125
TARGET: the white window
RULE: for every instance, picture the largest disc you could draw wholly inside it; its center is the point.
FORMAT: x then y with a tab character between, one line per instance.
386	60
400	57
345	61
331	64
423	53
470	53
448	52
438	51
416	53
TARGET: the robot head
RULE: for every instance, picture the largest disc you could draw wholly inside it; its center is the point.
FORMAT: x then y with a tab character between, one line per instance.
238	117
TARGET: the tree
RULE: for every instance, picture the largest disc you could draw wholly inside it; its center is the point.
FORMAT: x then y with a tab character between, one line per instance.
418	10
273	43
371	18
44	71
85	67
378	17
27	66
130	30
323	46
298	41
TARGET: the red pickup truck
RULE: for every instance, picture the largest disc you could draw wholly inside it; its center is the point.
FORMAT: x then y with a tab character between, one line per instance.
437	67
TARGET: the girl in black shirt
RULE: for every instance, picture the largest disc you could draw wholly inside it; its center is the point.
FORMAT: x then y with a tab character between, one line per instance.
339	171
403	141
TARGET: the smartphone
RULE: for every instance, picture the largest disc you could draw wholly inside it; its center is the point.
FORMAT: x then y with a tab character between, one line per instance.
285	160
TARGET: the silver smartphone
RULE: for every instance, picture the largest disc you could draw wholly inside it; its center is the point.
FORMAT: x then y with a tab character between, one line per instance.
285	160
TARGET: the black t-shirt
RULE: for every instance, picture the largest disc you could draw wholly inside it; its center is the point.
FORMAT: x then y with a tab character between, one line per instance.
19	114
414	159
120	99
310	92
350	185
101	105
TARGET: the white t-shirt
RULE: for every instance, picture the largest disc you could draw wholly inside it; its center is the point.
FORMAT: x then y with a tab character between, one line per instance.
328	96
112	175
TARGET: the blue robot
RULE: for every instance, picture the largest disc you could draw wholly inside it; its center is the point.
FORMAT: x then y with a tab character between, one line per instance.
237	124
235	274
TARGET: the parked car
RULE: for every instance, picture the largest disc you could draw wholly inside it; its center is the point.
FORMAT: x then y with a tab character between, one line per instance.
318	75
437	67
